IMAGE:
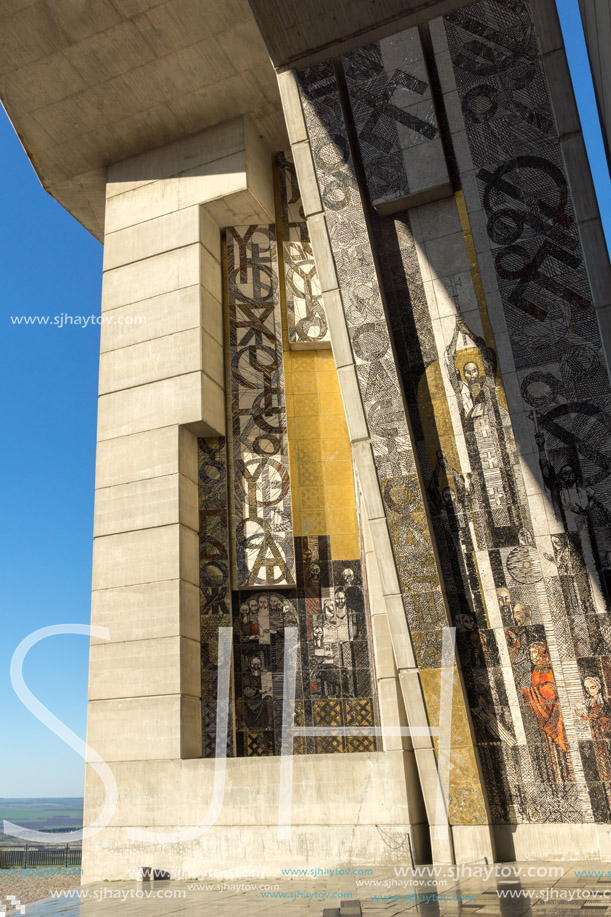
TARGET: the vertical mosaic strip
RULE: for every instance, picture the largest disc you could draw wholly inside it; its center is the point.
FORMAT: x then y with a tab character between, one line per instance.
395	121
262	524
492	574
560	647
214	579
306	318
383	403
335	680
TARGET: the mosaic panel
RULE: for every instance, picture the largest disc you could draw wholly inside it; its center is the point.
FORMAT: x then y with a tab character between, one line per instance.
214	579
306	318
322	475
272	414
380	390
395	120
526	626
262	526
335	685
480	517
558	596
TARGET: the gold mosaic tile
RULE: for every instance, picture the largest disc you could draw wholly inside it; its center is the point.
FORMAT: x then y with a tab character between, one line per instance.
331	404
312	498
339	496
338	472
345	545
305	405
310	474
314	523
336	447
334	425
342	521
328	381
307	427
303	383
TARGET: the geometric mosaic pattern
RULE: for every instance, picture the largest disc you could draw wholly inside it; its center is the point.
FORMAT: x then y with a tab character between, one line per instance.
394	118
306	318
528	588
262	525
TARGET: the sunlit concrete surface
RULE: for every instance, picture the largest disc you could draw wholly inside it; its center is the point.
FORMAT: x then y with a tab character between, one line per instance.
510	889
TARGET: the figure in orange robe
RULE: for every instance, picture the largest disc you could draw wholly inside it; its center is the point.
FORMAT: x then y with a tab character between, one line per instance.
542	698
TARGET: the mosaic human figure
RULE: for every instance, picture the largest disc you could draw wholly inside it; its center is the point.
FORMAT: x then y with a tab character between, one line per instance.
542	698
482	417
597	713
577	508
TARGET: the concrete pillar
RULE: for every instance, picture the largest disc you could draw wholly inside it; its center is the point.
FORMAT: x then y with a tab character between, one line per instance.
161	386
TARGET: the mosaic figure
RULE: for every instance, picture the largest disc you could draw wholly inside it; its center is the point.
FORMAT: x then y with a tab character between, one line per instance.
597	714
472	374
542	698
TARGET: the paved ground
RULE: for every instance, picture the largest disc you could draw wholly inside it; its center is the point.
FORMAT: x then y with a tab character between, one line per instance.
33	883
509	890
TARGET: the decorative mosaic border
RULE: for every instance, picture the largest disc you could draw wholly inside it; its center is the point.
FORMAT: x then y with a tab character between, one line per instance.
262	523
306	317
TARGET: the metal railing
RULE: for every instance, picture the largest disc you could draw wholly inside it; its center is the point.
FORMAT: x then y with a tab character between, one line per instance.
43	855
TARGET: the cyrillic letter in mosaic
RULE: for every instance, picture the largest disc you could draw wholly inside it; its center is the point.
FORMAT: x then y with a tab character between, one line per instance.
262	522
394	117
214	577
306	318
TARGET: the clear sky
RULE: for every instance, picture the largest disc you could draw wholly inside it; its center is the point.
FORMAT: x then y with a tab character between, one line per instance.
50	265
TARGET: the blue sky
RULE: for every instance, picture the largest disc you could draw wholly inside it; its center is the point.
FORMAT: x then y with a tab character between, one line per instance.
50	265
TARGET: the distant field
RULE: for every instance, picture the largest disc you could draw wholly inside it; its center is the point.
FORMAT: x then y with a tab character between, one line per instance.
53	815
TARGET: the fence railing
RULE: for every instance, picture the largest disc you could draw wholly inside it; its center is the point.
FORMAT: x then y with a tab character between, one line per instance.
43	855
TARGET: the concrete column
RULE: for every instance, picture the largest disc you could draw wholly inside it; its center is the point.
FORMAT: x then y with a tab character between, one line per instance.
161	386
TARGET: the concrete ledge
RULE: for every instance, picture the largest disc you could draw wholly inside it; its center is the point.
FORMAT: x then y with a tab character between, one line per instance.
145	668
548	842
147	556
162	358
190	399
330	790
141	728
146	455
165	609
146	504
168	313
111	854
227	168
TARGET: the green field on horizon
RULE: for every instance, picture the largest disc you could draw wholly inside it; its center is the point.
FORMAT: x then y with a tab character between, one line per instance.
49	814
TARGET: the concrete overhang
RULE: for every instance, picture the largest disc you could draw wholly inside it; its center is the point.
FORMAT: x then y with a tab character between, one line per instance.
87	83
302	32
